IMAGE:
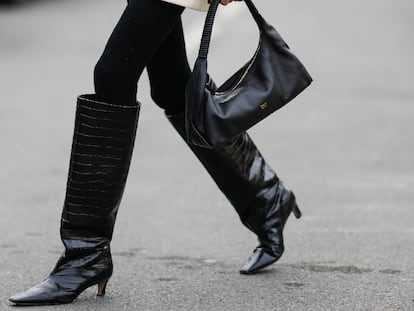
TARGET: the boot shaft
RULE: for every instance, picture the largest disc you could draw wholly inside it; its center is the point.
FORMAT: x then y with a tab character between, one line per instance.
103	141
237	167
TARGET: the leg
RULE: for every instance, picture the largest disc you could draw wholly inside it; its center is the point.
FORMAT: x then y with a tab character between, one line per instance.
141	29
253	188
102	146
168	72
238	168
131	45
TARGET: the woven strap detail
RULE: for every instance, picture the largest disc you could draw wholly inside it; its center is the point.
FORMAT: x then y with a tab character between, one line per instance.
208	25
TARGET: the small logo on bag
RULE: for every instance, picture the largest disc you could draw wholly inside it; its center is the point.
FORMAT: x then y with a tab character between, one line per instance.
263	106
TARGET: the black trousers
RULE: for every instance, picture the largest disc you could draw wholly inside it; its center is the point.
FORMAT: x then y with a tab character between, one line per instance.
148	34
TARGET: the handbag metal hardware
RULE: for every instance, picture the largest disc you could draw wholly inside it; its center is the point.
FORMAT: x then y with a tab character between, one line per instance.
264	106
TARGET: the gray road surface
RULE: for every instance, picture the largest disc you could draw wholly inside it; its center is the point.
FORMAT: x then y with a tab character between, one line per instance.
346	147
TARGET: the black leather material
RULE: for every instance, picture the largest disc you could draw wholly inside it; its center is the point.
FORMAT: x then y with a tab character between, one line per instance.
258	260
102	147
268	81
267	219
252	187
76	270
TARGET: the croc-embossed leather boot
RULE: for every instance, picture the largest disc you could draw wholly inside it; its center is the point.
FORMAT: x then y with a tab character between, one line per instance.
253	188
102	147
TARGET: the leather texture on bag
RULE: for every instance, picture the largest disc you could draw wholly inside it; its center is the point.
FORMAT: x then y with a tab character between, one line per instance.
267	82
200	5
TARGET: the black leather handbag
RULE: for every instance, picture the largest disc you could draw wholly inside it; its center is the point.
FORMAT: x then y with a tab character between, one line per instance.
267	82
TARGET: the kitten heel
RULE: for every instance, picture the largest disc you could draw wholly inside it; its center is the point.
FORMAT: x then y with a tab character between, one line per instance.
296	211
102	288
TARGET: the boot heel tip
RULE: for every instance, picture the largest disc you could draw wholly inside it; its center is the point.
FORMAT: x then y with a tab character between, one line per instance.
101	288
296	211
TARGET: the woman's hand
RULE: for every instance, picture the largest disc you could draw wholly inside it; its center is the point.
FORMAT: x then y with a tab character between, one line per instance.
225	2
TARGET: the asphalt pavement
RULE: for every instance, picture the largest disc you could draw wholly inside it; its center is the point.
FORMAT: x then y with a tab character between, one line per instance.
345	146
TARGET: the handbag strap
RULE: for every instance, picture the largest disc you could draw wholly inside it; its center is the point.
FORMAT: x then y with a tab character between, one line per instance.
208	25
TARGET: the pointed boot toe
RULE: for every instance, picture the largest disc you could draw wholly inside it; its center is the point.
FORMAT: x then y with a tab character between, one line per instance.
258	260
41	294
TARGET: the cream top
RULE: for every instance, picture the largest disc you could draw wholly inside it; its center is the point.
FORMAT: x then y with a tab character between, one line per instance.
200	5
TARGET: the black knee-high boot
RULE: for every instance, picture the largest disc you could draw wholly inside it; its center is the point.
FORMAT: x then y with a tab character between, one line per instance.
254	190
102	147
